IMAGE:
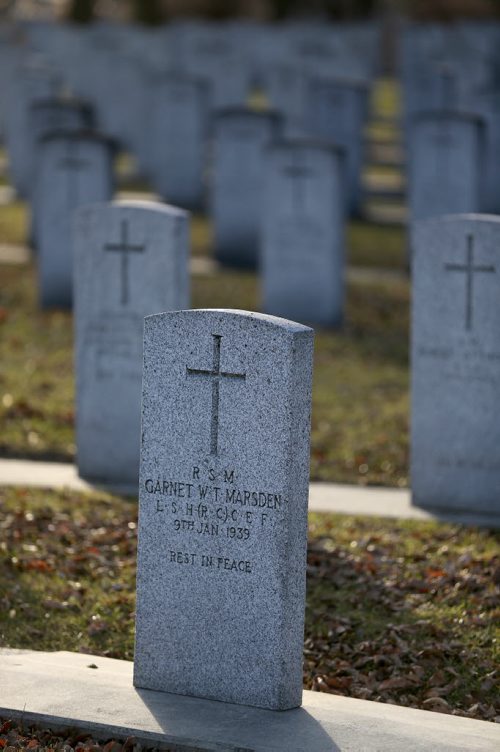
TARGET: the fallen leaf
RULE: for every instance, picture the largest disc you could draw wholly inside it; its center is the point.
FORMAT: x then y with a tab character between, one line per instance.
395	682
436	703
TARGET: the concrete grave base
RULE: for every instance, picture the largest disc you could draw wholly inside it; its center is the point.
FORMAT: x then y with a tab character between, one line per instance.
96	694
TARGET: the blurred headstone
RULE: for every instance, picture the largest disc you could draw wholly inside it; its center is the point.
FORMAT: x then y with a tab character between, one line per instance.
446	165
455	431
177	132
337	112
241	136
131	260
30	80
75	168
302	253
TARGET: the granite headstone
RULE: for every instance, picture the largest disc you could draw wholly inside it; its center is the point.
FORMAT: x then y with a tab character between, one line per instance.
131	260
178	134
455	435
47	115
75	168
337	112
446	164
241	136
223	506
302	244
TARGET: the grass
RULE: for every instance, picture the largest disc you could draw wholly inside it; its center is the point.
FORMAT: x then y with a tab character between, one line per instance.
397	611
360	402
14	221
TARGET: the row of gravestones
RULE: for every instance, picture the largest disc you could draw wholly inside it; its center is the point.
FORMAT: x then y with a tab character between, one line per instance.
295	216
131	261
226	402
451	97
171	113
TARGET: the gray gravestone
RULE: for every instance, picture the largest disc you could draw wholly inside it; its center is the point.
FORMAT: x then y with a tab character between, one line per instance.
302	251
337	112
178	133
446	164
286	89
30	80
456	364
48	115
131	260
75	168
223	506
241	137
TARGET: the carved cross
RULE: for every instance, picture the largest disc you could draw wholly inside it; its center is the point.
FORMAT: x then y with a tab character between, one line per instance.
124	247
216	376
469	269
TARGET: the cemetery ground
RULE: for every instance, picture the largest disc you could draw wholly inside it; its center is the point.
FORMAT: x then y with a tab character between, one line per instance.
360	396
402	612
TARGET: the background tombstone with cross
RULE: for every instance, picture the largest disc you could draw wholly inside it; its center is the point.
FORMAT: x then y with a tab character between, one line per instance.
455	435
241	136
131	259
447	160
302	240
75	168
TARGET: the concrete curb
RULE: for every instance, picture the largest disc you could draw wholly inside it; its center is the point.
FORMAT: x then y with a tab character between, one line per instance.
96	694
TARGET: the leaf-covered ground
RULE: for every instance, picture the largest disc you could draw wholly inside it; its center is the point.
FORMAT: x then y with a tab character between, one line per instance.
397	611
16	735
360	391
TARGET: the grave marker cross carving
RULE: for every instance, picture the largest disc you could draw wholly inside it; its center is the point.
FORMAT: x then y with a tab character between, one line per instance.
469	270
124	247
216	375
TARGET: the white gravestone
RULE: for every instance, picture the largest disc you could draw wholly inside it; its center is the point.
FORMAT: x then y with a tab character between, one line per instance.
75	168
446	165
455	435
302	251
241	137
131	260
223	507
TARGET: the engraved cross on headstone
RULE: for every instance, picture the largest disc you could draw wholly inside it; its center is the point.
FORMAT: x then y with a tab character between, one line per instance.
469	270
216	375
124	247
298	175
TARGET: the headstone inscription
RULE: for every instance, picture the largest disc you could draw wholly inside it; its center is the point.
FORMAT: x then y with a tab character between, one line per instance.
178	135
302	250
131	259
223	506
75	168
446	165
241	136
455	434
